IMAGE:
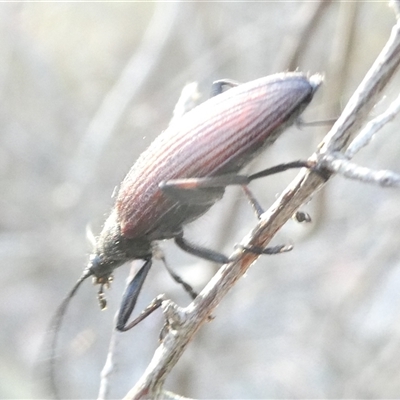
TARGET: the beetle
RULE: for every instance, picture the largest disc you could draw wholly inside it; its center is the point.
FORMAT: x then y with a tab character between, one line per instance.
184	172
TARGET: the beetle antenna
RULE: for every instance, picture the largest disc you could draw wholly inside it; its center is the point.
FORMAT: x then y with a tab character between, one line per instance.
55	326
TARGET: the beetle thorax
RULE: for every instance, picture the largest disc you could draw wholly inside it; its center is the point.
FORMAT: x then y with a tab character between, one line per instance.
112	249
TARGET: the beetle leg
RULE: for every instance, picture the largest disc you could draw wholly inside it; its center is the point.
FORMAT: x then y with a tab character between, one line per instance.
153	306
208	190
217	87
267	250
281	168
299	216
192	293
131	295
189	190
201	252
181	188
253	201
302	216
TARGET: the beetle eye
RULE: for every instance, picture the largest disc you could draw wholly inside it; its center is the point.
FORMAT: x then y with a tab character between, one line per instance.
94	263
94	259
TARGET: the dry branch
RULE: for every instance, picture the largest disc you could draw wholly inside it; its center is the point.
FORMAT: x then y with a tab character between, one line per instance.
183	323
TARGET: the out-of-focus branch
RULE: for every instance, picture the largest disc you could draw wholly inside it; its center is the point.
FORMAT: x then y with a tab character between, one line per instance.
364	98
109	366
301	31
183	323
133	77
339	165
366	135
337	72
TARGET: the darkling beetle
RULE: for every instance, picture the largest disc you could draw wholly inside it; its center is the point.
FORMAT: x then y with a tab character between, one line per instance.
185	171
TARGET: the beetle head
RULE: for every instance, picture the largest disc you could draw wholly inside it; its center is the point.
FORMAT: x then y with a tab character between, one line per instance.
112	249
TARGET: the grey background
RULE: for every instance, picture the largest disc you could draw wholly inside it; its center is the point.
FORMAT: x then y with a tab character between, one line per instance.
84	88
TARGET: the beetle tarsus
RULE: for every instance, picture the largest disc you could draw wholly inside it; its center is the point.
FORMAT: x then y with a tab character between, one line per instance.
302	217
253	201
267	250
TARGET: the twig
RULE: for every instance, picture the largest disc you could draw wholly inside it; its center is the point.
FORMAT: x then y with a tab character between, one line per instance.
365	136
384	178
339	163
109	366
337	71
184	322
364	98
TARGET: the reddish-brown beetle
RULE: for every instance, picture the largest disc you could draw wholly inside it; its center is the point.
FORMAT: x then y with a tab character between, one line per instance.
185	171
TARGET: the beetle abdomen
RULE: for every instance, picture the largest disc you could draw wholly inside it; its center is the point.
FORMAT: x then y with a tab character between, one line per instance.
219	136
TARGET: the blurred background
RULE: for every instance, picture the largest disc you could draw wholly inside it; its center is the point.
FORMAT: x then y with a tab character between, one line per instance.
84	90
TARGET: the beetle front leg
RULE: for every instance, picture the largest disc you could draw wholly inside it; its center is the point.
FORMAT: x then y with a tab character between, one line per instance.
153	306
130	297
